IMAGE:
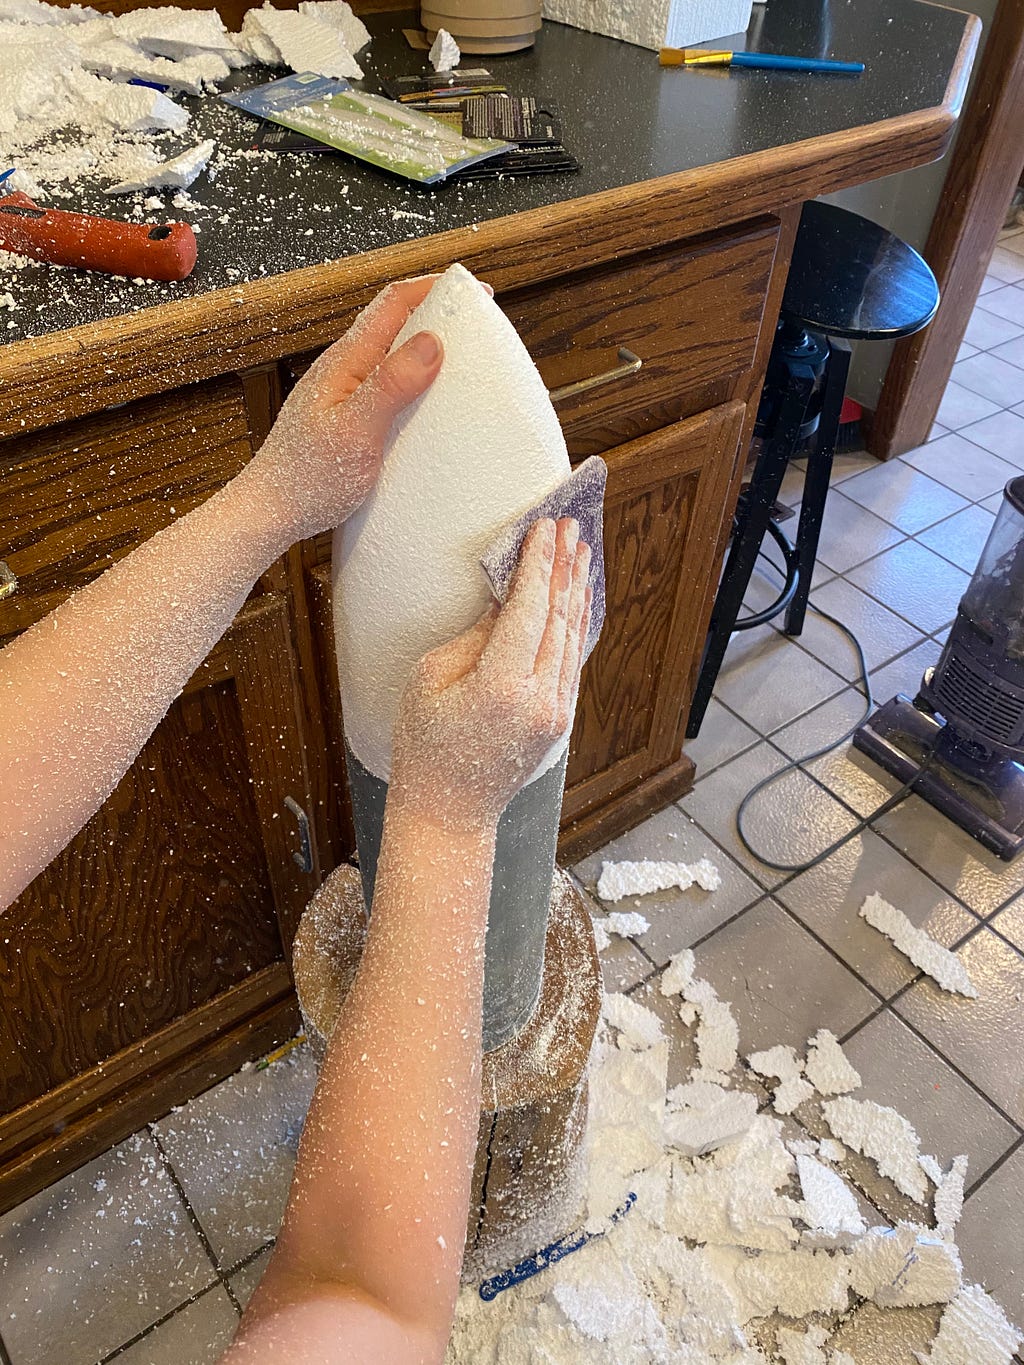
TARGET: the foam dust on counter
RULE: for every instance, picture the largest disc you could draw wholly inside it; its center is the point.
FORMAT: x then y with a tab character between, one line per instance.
69	116
745	1245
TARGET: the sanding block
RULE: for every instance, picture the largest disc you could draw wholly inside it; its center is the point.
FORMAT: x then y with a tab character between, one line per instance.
152	252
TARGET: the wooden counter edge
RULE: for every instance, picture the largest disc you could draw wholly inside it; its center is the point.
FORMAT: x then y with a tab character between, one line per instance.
80	370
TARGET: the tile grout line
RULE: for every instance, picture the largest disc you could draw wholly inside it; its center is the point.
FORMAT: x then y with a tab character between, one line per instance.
194	1219
147	1331
985	1176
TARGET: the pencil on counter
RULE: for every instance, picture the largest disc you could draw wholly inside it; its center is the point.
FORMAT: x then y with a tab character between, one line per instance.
699	56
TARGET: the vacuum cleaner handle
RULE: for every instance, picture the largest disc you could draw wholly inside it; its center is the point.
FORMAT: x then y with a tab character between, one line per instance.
152	252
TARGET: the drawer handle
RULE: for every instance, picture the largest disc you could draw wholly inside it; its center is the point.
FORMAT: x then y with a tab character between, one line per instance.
8	582
303	856
630	364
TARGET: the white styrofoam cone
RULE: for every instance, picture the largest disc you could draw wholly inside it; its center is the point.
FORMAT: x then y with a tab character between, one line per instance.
481	447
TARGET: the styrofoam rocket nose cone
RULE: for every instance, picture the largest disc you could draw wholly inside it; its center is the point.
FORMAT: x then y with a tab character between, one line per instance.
479	448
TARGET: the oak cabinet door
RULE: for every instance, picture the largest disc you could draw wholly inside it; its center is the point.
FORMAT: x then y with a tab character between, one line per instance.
664	506
167	922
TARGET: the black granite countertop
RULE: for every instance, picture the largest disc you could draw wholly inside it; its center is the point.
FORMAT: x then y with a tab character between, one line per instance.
624	117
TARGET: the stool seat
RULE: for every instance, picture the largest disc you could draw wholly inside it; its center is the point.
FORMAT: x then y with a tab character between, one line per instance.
851	278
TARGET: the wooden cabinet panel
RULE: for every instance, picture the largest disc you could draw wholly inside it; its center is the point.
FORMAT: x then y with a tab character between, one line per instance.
167	923
692	314
664	505
78	497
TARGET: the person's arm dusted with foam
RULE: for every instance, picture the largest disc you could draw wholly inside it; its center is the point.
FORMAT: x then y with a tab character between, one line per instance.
366	1268
82	691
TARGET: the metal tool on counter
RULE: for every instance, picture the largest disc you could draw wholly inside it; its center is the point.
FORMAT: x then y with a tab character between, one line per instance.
166	251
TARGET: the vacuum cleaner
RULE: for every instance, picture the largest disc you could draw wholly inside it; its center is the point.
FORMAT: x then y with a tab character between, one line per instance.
960	742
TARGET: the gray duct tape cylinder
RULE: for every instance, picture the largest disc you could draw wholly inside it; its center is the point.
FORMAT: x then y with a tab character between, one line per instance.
524	864
524	859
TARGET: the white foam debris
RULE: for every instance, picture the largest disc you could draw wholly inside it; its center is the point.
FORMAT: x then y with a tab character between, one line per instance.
444	52
303	42
782	1062
168	31
827	1067
830	1150
718	1240
884	1136
639	1027
948	1203
944	967
627	1099
974	1330
649	875
679	973
732	1198
702	1116
904	1267
802	1348
337	14
601	936
627	923
796	1283
133	108
829	1208
177	173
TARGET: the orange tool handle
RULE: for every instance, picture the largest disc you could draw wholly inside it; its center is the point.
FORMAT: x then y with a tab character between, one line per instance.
167	252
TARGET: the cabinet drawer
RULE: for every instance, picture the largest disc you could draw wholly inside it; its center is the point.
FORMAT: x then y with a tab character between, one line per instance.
691	313
79	496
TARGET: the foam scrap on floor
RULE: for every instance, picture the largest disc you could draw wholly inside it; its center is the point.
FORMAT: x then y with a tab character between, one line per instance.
642	878
733	1224
973	1329
829	1206
948	1204
884	1136
638	1027
626	923
904	1267
783	1063
827	1066
702	1116
944	967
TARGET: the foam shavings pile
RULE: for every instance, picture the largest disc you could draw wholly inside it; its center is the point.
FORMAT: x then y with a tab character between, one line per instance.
745	1245
68	115
935	961
641	878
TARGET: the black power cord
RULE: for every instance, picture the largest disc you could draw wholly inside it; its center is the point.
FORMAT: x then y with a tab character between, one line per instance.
797	765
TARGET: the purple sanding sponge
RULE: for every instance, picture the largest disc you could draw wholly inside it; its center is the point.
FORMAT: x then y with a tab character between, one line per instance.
580	496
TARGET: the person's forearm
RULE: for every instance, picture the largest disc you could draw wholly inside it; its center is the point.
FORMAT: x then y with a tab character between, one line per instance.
381	1191
84	688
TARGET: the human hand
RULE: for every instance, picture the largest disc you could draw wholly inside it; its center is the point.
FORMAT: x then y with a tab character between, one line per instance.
324	452
480	712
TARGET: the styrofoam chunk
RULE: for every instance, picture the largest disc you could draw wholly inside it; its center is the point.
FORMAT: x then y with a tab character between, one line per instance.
974	1331
827	1067
178	173
444	51
944	967
829	1205
882	1135
619	879
639	1026
904	1267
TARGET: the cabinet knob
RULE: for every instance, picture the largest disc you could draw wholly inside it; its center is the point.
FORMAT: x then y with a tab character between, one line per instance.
8	582
303	855
630	364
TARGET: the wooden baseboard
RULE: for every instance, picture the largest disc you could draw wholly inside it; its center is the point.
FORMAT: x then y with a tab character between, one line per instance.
68	1127
597	827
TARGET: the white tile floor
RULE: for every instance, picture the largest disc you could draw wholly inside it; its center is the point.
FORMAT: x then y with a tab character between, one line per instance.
147	1254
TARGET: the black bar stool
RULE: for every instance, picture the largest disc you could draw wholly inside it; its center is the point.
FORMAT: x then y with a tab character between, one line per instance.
849	280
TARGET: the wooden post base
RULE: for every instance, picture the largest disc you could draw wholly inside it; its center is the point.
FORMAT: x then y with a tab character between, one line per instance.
528	1176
